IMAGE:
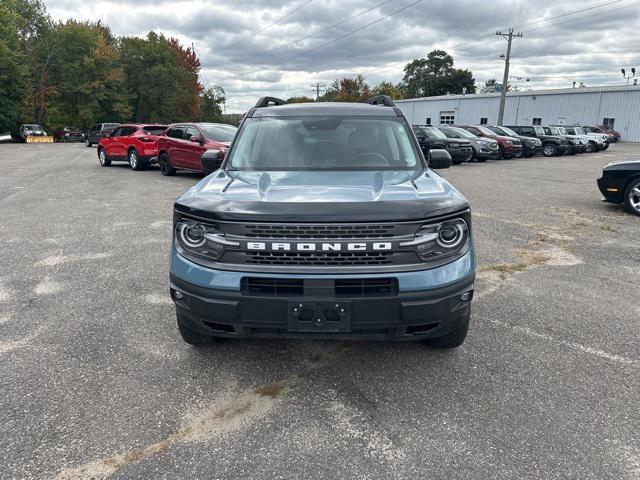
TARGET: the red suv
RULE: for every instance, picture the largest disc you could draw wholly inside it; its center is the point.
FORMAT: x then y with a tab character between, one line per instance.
136	144
509	147
182	145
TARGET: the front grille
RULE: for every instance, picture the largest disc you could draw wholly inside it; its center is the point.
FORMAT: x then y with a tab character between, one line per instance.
318	231
367	287
320	258
272	286
288	287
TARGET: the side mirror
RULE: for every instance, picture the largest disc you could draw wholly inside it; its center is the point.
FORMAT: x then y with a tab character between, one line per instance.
439	158
211	160
196	139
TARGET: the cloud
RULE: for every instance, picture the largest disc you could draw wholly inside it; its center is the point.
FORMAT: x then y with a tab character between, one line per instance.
590	46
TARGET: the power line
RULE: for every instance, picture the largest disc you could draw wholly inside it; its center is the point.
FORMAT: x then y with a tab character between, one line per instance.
275	22
297	40
352	32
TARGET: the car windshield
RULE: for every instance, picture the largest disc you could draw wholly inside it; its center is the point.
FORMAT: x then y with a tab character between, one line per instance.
110	125
558	131
33	127
154	129
324	143
507	131
430	132
485	130
539	130
578	130
218	133
462	132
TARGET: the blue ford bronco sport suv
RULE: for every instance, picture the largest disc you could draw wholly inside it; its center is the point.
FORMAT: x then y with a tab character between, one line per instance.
323	221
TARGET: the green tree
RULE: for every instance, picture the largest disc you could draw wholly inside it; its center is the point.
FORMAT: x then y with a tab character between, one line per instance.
436	75
160	88
21	22
388	88
211	102
348	89
301	99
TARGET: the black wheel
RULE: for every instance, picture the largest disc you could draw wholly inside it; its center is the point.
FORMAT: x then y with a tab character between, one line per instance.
500	153
88	143
632	197
165	168
451	340
192	337
591	147
103	159
134	161
549	150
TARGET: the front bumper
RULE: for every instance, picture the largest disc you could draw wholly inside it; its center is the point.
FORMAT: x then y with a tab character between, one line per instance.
578	148
487	154
426	304
512	150
563	149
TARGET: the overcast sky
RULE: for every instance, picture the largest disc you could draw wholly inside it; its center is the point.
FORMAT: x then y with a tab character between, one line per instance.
248	48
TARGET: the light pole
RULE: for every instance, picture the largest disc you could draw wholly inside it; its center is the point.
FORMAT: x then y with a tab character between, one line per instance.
628	77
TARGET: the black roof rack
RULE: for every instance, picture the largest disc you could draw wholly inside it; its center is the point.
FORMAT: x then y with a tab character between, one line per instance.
381	100
268	101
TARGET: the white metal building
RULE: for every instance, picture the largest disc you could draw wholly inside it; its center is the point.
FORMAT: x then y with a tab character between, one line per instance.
616	107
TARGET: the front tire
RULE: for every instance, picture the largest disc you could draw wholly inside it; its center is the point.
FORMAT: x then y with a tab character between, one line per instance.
88	143
632	197
165	167
591	147
549	150
192	337
451	340
103	159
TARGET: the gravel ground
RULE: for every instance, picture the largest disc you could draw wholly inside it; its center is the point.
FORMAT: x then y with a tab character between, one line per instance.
96	382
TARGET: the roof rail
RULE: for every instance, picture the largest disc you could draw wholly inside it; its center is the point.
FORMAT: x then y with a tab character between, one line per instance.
381	100
268	101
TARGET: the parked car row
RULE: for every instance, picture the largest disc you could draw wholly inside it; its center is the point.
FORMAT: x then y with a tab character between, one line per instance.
488	142
174	147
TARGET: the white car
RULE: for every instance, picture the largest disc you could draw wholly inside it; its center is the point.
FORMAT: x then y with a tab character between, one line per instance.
598	141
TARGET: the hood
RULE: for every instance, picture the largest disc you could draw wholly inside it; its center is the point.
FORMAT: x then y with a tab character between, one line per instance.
505	138
458	140
354	196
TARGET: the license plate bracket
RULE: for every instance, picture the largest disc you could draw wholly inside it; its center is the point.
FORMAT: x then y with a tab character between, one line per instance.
318	316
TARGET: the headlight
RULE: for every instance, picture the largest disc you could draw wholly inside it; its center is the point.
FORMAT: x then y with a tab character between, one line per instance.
508	142
200	240
440	241
453	145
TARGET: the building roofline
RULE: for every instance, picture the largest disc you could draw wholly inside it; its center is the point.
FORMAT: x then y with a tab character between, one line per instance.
521	93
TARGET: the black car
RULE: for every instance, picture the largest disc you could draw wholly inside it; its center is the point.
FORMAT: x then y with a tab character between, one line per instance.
552	145
98	131
68	134
620	183
530	146
430	137
483	148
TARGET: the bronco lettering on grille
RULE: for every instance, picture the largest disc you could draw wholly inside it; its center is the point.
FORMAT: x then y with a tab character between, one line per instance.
320	246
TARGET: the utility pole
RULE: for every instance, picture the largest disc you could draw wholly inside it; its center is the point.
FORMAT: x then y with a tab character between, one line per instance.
505	79
317	87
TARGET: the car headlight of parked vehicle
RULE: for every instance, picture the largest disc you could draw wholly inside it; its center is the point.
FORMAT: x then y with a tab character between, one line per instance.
200	240
444	240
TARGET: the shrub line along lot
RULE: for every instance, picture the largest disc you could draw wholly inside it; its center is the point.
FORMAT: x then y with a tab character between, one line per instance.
97	383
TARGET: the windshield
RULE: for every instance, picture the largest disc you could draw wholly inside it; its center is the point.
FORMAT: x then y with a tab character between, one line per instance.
218	133
508	132
485	130
430	132
462	132
557	131
539	130
578	130
323	143
32	127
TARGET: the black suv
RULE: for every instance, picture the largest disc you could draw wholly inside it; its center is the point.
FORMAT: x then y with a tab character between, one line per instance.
98	131
323	221
552	145
432	138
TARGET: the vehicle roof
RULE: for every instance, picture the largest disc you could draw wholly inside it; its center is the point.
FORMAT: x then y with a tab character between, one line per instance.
325	109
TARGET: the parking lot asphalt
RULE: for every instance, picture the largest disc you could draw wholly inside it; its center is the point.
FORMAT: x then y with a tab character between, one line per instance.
95	381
